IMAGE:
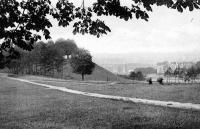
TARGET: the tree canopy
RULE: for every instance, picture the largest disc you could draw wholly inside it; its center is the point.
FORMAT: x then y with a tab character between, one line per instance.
24	22
43	59
81	63
136	75
67	47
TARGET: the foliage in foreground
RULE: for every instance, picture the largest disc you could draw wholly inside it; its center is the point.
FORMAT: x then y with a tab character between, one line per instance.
24	22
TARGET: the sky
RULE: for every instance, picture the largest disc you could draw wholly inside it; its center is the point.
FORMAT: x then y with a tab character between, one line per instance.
167	32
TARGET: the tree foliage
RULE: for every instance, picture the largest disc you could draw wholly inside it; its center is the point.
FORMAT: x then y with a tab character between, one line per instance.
136	75
186	74
146	70
47	59
192	72
44	58
22	22
81	63
160	80
68	47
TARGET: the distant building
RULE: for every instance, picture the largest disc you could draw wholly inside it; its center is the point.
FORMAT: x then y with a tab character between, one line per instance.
163	66
124	68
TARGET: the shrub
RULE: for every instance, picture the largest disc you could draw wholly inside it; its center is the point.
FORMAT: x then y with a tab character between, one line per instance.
149	80
160	80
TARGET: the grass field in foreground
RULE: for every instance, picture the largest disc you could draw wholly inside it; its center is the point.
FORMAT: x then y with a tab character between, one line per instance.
175	92
25	106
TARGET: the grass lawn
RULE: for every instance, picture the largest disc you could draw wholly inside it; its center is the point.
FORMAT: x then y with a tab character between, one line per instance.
25	106
175	92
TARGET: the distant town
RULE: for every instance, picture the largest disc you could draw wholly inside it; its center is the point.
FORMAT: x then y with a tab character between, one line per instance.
160	67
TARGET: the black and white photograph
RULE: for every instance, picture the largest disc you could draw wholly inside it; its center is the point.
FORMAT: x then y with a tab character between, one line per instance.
99	64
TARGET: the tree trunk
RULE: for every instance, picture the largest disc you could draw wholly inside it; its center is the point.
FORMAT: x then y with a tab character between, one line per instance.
178	78
82	75
62	71
67	57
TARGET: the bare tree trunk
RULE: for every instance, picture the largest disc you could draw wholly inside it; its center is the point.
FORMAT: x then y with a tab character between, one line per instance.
178	79
82	75
67	57
62	71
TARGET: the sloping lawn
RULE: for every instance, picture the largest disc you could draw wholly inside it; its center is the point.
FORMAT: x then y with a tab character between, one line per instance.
175	92
25	106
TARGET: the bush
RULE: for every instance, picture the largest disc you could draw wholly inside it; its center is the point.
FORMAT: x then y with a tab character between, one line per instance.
160	80
149	80
137	76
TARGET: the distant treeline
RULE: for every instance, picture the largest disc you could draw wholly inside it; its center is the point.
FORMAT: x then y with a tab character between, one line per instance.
134	76
147	70
183	74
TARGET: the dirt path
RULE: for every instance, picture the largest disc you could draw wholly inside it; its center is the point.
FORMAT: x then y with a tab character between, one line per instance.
120	98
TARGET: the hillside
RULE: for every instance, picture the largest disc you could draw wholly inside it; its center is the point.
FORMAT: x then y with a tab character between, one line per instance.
99	74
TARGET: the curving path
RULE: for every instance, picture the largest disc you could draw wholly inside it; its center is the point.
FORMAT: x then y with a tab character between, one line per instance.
120	98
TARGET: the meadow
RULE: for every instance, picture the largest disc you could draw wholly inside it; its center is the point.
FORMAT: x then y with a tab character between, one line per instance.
173	92
26	106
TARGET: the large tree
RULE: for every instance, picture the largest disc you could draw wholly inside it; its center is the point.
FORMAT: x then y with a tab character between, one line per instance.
68	47
23	21
81	63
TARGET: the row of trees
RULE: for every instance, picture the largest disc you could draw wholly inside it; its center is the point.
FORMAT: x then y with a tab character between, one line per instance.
136	76
49	58
183	74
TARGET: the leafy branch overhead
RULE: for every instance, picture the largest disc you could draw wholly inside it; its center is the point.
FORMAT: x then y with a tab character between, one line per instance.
22	22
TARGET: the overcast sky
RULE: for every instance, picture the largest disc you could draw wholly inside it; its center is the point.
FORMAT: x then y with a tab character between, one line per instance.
167	31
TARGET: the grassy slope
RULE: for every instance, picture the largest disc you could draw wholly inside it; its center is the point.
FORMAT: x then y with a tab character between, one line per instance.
99	74
25	106
180	93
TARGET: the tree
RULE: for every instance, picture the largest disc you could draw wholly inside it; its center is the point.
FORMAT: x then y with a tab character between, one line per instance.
132	75
136	75
149	80
168	73
50	58
81	63
146	70
22	23
160	80
177	73
68	47
44	58
198	67
140	76
192	73
182	73
7	56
